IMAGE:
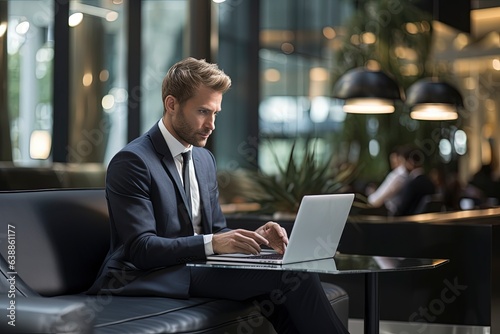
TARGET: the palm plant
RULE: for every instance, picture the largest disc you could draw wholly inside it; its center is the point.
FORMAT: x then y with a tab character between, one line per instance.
283	191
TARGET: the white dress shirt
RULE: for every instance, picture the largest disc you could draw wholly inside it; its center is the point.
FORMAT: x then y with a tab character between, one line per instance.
389	188
176	148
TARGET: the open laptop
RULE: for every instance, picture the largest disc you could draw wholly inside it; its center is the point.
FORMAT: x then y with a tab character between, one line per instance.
316	232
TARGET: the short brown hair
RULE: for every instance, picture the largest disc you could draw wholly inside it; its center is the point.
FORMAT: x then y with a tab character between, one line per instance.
185	76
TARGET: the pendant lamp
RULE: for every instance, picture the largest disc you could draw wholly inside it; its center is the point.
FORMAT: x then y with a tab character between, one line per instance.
367	92
431	99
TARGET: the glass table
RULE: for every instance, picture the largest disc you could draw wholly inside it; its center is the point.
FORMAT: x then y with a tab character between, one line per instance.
370	266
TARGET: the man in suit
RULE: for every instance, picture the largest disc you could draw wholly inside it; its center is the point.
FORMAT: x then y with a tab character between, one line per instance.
156	228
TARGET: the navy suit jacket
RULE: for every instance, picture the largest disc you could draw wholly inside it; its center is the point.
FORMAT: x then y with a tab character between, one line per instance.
151	231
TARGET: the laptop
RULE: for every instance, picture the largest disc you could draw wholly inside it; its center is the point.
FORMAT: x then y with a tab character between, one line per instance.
316	232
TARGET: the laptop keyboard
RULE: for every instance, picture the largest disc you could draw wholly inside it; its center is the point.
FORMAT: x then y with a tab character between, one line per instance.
271	256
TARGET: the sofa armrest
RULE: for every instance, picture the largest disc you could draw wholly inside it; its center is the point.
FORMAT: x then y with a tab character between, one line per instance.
44	315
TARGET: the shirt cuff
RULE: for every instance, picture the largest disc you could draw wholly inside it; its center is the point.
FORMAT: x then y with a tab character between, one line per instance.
207	239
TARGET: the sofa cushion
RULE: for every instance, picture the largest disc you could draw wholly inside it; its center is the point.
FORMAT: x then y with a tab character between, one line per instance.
168	315
44	315
106	314
62	237
121	314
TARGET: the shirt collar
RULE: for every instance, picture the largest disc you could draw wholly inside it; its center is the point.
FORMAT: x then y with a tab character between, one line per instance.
175	147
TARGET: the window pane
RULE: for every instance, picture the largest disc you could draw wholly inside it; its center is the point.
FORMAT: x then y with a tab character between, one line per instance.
163	30
297	59
98	103
30	61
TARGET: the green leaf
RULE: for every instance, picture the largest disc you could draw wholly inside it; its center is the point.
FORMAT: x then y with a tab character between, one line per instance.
298	177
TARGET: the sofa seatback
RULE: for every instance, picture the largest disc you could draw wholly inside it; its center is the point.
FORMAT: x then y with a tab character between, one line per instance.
61	237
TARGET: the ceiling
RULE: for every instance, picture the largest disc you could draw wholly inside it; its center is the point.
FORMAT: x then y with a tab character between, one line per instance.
459	14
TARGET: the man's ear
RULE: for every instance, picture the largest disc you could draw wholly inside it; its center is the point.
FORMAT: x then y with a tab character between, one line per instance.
169	103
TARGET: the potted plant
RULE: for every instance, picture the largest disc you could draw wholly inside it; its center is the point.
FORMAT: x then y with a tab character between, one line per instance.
303	174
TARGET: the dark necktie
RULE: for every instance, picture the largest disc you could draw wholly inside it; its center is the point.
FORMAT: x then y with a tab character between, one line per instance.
186	156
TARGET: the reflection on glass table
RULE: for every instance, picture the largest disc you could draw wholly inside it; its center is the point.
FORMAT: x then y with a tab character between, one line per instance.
345	264
340	264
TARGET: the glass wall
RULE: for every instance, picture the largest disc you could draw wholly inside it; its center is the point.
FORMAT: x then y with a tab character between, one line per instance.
97	88
29	62
235	137
304	46
163	38
284	56
98	80
297	59
307	46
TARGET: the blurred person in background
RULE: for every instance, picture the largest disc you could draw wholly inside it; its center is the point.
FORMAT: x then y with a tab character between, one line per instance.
392	184
417	186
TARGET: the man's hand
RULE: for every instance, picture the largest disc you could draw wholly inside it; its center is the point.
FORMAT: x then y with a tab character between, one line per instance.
238	241
275	235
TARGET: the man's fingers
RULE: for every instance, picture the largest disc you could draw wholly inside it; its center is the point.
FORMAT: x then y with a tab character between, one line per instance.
238	241
252	235
246	243
275	234
271	227
274	230
285	235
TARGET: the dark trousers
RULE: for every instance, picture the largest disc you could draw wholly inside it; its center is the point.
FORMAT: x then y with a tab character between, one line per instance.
294	302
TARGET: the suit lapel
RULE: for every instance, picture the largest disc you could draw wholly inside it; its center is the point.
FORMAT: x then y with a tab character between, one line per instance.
168	161
200	170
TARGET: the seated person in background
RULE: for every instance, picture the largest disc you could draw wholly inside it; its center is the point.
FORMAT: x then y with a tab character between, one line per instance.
484	187
417	186
384	194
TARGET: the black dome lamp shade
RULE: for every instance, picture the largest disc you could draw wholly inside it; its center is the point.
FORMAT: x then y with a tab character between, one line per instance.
430	99
367	92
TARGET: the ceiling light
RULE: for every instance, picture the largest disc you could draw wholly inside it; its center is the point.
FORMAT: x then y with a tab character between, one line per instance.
22	27
40	144
369	106
430	99
3	28
75	19
434	112
367	92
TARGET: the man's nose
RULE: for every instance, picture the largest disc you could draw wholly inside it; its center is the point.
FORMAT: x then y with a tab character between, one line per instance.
210	122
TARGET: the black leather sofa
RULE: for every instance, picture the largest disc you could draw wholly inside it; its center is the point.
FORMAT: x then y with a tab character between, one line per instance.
52	243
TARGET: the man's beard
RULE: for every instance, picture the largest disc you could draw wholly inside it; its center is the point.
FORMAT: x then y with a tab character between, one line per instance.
186	132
